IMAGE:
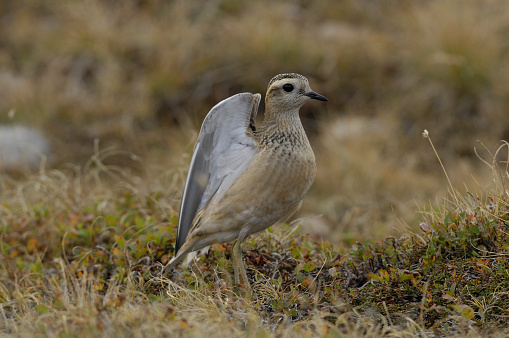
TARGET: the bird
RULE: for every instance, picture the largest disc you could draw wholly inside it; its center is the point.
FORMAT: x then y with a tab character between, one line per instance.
243	178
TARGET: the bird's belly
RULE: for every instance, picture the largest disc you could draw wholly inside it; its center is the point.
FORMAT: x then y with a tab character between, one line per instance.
266	193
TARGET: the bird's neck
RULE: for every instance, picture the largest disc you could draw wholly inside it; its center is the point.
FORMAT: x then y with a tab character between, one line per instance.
277	120
282	127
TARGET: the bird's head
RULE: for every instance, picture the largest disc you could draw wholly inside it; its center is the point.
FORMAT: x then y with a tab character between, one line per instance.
290	91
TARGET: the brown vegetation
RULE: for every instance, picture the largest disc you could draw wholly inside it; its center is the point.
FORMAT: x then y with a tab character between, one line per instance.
120	89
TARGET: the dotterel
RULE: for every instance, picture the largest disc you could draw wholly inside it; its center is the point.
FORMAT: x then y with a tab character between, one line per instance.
242	178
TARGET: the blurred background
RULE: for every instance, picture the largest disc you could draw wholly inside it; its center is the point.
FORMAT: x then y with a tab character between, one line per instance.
136	78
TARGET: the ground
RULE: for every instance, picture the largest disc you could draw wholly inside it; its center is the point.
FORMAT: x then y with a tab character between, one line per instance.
391	239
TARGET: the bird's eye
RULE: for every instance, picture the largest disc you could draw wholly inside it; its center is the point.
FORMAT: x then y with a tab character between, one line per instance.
287	87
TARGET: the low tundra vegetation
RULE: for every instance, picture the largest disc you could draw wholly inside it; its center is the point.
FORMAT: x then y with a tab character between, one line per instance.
81	252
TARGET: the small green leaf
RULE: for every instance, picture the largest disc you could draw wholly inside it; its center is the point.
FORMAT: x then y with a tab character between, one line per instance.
374	276
405	277
453	288
42	309
464	310
295	252
309	266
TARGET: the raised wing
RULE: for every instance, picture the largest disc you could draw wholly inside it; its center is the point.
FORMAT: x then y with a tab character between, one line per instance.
225	147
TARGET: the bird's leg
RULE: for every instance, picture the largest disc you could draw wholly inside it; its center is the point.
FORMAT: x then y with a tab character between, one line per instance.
238	266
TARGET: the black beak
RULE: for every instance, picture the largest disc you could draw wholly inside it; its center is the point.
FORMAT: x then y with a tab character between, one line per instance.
316	96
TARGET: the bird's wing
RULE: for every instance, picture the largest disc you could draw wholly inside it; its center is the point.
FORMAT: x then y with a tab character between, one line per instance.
224	149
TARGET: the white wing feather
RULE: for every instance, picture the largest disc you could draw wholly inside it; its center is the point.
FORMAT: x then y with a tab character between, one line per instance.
223	151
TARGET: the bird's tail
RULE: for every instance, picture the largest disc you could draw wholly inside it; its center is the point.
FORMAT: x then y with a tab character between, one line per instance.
183	251
191	256
174	261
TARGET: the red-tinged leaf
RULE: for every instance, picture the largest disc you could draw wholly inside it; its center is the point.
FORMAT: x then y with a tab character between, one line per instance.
305	283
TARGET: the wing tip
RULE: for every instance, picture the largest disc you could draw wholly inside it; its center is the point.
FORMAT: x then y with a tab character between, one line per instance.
254	109
250	101
257	99
240	96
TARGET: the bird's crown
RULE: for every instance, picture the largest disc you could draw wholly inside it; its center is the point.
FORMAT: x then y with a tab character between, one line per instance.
287	76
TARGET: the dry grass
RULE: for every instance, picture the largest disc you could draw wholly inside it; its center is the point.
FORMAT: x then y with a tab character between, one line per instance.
120	89
81	254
